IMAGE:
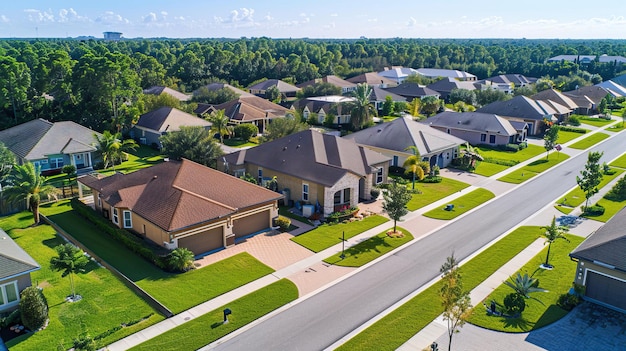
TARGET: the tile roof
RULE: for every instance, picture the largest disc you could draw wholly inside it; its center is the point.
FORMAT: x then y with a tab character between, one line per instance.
403	132
14	261
606	245
218	86
177	194
311	156
380	94
412	90
158	90
251	108
39	138
446	73
556	96
372	78
169	119
283	87
593	93
522	107
334	80
473	121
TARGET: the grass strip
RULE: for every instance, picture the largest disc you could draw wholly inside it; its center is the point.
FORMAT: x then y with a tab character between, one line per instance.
532	169
576	197
619	162
565	136
462	204
370	249
610	209
431	192
589	141
488	169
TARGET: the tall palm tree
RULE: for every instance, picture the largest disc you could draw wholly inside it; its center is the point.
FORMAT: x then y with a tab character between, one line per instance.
362	109
219	123
26	183
70	260
414	165
111	147
553	233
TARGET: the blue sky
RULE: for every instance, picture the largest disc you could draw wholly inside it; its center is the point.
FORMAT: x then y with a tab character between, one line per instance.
574	19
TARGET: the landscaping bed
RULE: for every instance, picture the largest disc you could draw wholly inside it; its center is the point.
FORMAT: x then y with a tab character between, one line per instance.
370	249
462	204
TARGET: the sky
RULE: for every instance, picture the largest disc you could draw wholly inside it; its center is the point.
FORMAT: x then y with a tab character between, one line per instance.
531	19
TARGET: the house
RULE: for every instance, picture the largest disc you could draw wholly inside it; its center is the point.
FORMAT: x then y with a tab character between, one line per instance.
393	138
413	90
322	106
52	145
397	73
446	85
601	264
313	168
527	110
379	95
621	80
15	268
373	80
556	96
587	98
287	90
346	87
152	125
248	109
613	88
184	204
158	90
586	59
516	80
220	86
446	73
479	128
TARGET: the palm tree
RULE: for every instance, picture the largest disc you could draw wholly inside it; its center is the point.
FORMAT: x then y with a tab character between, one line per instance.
111	147
525	285
471	155
361	107
414	165
70	260
219	123
553	233
26	183
180	259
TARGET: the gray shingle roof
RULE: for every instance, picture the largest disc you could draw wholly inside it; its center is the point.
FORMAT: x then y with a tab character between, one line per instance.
334	80
380	94
522	107
169	119
412	90
473	121
556	96
218	86
14	261
372	78
593	93
158	90
283	87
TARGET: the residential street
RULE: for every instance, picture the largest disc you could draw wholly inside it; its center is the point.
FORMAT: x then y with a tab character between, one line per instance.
321	320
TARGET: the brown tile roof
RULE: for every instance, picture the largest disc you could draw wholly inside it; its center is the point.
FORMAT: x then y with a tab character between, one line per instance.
177	194
334	80
158	90
169	119
251	108
372	78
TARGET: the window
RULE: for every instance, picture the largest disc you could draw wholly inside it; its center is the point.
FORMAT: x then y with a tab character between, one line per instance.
483	137
395	161
492	139
239	173
56	163
379	175
116	219
128	219
448	130
8	293
260	176
305	192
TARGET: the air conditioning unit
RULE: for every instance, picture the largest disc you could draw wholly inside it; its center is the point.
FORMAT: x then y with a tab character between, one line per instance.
168	245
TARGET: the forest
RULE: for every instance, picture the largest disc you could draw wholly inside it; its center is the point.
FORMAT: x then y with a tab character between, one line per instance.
99	83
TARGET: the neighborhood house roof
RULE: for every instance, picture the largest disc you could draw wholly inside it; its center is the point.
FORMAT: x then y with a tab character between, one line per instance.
380	94
334	80
169	119
556	96
250	108
413	90
177	194
37	139
522	107
592	93
158	90
283	87
516	79
615	89
312	156
446	73
14	261
372	78
323	103
446	85
398	73
219	86
473	121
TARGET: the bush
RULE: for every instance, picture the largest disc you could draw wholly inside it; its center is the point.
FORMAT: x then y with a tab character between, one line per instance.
69	169
255	139
33	308
7	319
523	145
514	304
432	179
375	192
435	170
245	131
568	301
575	130
499	161
595	210
180	260
511	147
574	121
283	223
618	192
396	171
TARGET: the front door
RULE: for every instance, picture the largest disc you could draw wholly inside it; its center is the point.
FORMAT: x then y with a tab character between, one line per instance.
79	161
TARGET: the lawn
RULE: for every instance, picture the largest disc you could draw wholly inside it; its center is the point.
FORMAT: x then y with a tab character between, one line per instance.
370	249
107	303
143	157
532	169
431	192
536	315
619	162
519	156
565	136
176	291
589	141
327	235
594	121
209	327
616	128
576	197
403	323
236	142
488	169
462	204
610	209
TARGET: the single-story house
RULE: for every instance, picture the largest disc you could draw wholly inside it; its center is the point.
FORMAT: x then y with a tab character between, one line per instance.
158	90
220	86
373	79
587	98
413	90
345	86
601	265
393	138
613	88
313	168
379	95
287	90
248	109
516	80
479	128
184	204
446	85
51	145
446	73
556	96
323	105
152	125
15	268
398	73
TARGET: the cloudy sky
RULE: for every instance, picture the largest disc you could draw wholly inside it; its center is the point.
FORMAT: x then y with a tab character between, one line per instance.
573	19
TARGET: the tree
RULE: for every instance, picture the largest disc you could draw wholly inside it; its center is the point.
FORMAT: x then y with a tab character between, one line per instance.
414	165
456	301
414	107
70	260
602	106
553	233
245	131
214	97
33	308
319	89
387	106
429	105
180	259
487	96
273	94
524	285
618	192
280	127
111	148
396	198
7	160
470	156
550	138
361	109
591	176
465	95
193	143
26	183
15	78
219	123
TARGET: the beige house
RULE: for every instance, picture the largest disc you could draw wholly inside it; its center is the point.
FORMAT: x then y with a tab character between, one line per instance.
184	204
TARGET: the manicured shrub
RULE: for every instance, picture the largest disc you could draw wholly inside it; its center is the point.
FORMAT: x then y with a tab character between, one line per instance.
432	179
375	192
514	304
180	260
523	145
595	210
568	301
245	131
10	318
575	130
618	192
574	121
283	223
499	161
33	308
511	147
68	169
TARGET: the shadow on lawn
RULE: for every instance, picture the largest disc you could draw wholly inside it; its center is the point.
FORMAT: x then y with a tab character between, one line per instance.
519	323
538	162
369	245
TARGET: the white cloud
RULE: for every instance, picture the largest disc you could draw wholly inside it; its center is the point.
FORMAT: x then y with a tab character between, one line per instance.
268	17
110	17
243	15
39	16
164	13
70	15
412	22
151	17
4	19
333	15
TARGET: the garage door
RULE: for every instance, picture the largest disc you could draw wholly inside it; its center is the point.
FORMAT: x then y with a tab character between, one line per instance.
203	242
251	224
605	289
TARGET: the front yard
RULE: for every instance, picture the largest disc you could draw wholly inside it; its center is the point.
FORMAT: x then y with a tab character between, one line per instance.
496	161
532	169
370	249
576	197
589	141
431	192
462	204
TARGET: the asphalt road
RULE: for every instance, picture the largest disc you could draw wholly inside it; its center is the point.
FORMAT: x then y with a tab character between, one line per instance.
324	318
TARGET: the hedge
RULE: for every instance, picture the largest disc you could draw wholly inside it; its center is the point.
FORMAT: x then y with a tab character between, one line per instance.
575	130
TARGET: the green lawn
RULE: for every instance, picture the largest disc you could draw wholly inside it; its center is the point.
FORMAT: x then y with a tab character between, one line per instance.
519	156
209	327
564	209
431	192
610	209
488	169
370	249
327	235
532	169
595	121
143	157
565	136
106	303
284	211
619	162
576	197
462	204
176	291
403	323
536	315
589	141
616	128
238	143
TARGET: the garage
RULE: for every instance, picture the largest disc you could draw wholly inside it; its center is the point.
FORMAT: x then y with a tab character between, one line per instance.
251	224
606	289
203	242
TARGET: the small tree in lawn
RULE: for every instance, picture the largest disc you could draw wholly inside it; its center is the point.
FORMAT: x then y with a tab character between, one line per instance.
591	176
550	138
70	260
396	198
33	308
456	301
553	233
414	165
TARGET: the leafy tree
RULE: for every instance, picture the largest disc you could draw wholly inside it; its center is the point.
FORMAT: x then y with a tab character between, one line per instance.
460	106
214	97
219	123
361	109
16	82
387	106
487	96
193	143
550	138
524	285
456	301
319	89
70	260
414	165
33	308
602	106
153	102
280	127
618	192
429	105
273	94
465	95
591	176
414	107
396	199
249	178
525	90
553	233
245	131
26	183
7	160
180	259
400	106
111	148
